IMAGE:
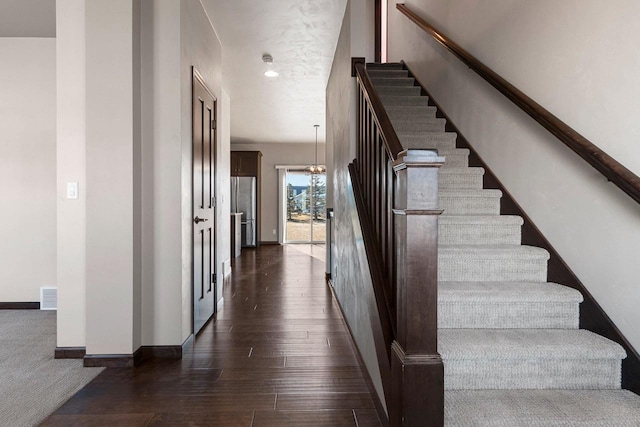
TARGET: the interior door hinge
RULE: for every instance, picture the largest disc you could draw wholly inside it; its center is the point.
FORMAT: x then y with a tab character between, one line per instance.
213	124
213	278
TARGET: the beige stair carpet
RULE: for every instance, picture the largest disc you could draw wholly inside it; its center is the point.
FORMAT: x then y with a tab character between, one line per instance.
512	351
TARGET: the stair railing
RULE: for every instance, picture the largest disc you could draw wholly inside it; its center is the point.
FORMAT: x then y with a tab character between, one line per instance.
397	199
612	170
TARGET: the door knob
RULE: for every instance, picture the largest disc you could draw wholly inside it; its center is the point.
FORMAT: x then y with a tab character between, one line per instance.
199	220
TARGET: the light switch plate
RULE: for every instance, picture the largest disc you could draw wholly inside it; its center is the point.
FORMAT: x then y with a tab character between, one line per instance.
72	190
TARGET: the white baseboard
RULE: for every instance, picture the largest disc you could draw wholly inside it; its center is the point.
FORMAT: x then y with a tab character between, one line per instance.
220	303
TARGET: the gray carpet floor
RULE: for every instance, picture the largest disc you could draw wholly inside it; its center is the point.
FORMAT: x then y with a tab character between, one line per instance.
32	383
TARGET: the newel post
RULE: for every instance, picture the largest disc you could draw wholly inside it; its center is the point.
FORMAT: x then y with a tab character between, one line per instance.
416	367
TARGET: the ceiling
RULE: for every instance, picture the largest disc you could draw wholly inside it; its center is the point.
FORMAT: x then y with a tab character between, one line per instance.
301	35
27	18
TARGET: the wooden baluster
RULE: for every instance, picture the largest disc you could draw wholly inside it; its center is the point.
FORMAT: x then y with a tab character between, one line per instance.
368	159
375	188
372	175
416	366
390	231
359	131
382	194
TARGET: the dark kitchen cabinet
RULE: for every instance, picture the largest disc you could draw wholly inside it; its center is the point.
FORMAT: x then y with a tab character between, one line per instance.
249	164
246	163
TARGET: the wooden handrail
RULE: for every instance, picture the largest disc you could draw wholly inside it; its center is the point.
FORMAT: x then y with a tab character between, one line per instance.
392	143
615	172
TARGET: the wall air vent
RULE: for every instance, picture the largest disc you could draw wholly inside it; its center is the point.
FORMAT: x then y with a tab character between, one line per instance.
48	298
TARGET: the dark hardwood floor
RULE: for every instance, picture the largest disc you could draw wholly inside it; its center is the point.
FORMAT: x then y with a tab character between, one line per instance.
278	354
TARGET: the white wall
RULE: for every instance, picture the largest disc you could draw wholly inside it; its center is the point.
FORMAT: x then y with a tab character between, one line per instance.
28	18
350	277
71	167
133	141
299	154
113	165
224	190
175	36
580	61
27	167
162	173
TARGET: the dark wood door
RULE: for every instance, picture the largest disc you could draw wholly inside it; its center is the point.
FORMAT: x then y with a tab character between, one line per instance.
204	142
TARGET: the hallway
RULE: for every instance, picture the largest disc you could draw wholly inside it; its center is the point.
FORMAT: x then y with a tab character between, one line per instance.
278	354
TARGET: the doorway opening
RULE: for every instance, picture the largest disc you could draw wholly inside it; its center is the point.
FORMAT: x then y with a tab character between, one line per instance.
305	207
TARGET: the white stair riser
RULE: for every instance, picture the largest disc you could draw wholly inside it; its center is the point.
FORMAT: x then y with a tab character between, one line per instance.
532	373
454	205
469	269
508	315
479	234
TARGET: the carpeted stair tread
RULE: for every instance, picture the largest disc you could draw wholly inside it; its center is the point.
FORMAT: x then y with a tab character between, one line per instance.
455	158
413	112
455	177
481	359
422	125
541	408
426	140
493	193
467	344
481	219
413	91
396	100
478	171
469	201
453	151
492	252
384	66
483	292
390	81
384	73
499	263
479	229
507	305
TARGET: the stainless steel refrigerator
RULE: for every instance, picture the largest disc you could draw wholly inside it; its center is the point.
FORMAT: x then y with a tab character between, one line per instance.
244	199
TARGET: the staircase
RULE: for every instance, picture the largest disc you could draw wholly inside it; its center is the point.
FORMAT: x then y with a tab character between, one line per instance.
512	351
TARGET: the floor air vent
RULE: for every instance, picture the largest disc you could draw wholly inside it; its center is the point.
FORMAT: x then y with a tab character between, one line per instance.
48	298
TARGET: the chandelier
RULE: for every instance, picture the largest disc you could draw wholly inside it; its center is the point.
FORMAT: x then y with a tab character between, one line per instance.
315	169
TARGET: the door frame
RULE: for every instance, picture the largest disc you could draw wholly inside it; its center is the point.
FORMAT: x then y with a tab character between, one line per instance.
282	206
197	77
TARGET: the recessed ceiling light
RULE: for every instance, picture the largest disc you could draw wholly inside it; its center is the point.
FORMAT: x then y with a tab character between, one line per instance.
268	60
